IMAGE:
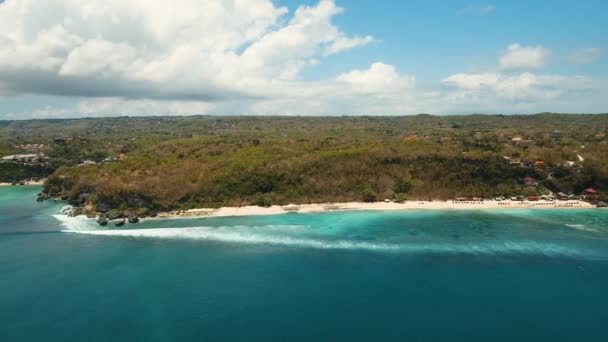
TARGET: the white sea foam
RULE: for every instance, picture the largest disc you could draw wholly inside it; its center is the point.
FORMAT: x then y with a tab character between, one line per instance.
582	227
75	223
280	235
238	235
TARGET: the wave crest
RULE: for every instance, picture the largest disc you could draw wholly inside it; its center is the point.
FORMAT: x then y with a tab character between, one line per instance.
300	236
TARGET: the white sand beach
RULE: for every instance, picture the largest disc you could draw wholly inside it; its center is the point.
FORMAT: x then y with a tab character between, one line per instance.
381	206
31	182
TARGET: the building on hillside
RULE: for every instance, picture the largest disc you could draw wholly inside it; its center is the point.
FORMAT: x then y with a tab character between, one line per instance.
23	158
590	193
529	181
109	160
87	163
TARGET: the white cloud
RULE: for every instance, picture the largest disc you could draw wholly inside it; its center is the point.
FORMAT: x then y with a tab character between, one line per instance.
180	50
142	57
518	57
380	78
346	43
587	55
472	81
380	89
522	93
477	9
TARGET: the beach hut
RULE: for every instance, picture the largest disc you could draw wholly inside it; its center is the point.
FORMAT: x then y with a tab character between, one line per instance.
590	192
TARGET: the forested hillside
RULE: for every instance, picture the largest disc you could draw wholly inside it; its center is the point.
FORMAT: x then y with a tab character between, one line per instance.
162	163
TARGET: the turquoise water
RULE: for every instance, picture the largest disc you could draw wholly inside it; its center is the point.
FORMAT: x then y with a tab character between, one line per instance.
526	275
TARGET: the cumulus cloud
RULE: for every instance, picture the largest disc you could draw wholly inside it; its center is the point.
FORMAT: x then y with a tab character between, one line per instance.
472	81
522	93
587	55
380	78
518	57
142	57
379	89
183	50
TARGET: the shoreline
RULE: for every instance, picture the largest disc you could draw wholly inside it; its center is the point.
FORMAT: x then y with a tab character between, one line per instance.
37	183
374	206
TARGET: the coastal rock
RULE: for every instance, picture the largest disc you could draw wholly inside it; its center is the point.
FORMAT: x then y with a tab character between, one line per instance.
102	220
82	198
76	211
119	223
114	214
133	219
601	204
88	208
104	207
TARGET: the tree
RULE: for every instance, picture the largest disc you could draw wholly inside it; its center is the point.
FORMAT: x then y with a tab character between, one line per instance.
263	201
369	195
403	186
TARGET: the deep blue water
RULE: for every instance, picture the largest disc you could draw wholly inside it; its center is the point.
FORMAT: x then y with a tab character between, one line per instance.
513	275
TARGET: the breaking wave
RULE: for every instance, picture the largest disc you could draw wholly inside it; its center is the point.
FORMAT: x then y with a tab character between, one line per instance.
74	223
296	236
582	227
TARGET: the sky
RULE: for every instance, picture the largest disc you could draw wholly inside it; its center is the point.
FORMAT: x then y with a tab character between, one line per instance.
84	58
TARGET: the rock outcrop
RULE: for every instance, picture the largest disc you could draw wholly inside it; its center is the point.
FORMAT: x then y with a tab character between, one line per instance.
102	220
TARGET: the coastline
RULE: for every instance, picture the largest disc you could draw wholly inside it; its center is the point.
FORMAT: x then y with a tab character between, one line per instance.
37	183
374	206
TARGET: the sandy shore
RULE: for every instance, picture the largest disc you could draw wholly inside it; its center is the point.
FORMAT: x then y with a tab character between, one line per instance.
381	206
40	182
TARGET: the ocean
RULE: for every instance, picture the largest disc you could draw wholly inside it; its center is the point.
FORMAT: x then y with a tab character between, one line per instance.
493	275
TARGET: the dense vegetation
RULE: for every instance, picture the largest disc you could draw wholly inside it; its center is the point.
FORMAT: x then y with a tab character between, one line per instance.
183	162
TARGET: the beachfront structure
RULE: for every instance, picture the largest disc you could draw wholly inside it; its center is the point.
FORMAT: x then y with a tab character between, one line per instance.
590	193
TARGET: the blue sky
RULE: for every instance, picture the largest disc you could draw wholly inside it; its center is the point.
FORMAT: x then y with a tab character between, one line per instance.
435	38
301	57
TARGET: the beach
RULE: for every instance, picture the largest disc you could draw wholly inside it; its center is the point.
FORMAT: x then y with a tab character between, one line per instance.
374	206
39	183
